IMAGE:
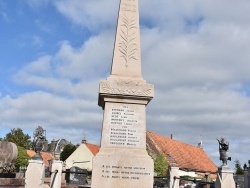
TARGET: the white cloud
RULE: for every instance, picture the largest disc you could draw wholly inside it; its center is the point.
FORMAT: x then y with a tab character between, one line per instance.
91	60
195	52
93	15
71	70
41	66
54	113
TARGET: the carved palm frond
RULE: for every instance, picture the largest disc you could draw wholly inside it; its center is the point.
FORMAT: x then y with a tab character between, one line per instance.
127	44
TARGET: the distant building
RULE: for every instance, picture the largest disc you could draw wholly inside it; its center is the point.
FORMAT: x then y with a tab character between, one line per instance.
191	160
82	156
55	147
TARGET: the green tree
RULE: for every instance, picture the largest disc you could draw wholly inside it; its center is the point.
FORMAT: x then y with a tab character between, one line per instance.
22	157
238	169
67	151
160	165
19	138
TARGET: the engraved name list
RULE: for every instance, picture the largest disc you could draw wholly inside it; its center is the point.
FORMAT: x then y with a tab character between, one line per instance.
124	127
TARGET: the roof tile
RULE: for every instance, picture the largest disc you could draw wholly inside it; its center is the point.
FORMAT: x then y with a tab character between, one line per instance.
45	155
183	155
93	148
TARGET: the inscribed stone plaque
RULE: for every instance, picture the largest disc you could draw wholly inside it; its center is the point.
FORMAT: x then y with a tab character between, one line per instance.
123	168
124	126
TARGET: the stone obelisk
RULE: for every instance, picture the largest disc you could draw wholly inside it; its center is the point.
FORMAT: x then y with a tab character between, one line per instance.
123	160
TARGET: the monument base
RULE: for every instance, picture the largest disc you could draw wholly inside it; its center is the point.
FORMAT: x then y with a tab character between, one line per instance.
122	168
225	178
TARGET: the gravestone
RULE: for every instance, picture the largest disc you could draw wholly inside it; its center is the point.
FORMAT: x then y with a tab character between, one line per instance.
239	180
8	156
78	179
122	160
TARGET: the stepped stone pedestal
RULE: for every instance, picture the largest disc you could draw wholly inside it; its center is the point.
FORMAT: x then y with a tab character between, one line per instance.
123	160
225	178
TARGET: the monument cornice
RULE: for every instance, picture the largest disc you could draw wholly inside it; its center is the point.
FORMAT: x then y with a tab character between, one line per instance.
125	88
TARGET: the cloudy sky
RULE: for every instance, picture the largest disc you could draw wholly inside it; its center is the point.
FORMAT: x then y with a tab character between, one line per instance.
196	53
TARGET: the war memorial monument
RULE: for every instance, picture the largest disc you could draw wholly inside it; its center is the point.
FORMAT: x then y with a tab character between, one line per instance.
123	160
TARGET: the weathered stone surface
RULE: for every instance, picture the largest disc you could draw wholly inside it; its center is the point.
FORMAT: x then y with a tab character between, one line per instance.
11	183
122	168
8	156
125	89
124	126
127	51
35	174
225	178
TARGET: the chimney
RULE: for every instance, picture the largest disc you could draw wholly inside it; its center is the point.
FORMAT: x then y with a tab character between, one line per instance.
46	145
84	141
171	136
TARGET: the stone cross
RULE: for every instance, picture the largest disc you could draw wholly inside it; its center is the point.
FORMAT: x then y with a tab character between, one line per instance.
123	160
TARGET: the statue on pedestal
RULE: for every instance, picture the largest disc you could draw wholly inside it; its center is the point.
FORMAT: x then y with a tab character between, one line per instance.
223	149
38	142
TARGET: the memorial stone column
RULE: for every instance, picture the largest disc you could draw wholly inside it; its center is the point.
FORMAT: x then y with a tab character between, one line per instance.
123	160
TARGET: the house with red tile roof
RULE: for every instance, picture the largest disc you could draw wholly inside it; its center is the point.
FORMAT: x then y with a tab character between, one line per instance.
82	156
47	157
188	158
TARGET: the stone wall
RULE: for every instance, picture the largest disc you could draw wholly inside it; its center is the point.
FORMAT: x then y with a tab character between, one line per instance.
11	183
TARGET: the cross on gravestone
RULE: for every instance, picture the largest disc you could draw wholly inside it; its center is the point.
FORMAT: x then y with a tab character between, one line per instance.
123	160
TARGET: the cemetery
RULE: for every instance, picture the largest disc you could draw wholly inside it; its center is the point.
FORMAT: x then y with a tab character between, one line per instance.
187	166
125	158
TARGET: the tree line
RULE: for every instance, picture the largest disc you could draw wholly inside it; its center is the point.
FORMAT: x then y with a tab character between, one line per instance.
23	142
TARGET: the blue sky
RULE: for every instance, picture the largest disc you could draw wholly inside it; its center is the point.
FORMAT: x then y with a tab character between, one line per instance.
196	53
